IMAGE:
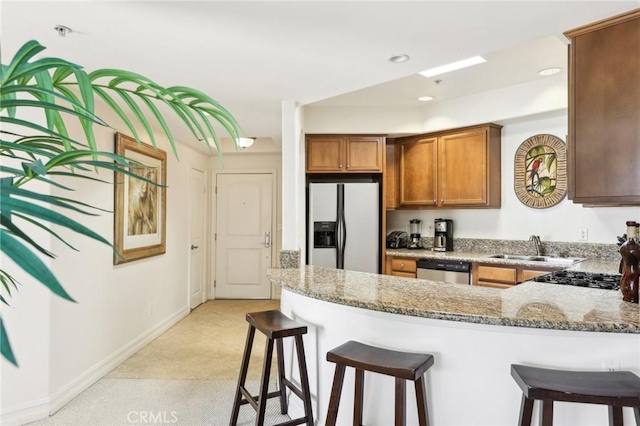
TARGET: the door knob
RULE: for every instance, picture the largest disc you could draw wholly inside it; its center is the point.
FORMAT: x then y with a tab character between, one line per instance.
194	247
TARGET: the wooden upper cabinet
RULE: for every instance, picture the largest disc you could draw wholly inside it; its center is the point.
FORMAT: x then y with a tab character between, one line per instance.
459	168
344	154
325	154
469	168
604	111
418	168
364	153
391	178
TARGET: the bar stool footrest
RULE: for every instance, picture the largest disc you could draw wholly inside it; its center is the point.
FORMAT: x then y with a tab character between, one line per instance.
293	388
253	400
293	422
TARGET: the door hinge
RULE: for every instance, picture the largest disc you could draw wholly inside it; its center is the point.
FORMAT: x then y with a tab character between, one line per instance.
216	189
215	237
214	283
204	189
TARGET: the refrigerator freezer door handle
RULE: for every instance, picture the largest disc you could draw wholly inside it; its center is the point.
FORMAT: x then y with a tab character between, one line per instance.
338	243
340	231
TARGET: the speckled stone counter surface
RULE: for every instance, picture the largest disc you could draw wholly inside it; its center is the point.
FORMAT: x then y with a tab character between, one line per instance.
602	266
531	304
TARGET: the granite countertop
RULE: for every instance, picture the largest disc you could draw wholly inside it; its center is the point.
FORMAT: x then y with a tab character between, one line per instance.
601	266
530	304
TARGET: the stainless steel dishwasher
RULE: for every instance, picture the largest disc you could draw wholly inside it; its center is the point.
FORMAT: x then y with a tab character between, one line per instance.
450	271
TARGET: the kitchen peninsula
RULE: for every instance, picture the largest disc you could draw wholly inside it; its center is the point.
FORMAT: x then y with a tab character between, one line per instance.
474	334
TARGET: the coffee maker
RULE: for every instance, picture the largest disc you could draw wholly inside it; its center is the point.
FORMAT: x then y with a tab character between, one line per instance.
443	235
414	234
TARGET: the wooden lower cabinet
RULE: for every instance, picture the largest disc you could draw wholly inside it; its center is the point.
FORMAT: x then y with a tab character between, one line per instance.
400	267
503	276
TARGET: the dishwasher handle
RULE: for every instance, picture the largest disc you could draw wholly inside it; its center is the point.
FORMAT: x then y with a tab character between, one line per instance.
444	265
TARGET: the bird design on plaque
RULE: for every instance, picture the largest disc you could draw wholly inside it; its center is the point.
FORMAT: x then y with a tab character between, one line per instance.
541	171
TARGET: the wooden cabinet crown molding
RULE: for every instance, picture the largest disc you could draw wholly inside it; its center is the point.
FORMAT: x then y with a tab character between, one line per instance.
604	23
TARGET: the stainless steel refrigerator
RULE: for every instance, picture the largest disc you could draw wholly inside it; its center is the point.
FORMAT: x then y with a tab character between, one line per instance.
344	226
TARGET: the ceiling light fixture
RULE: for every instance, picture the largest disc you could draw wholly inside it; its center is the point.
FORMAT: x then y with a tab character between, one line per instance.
550	71
398	59
453	66
425	98
245	142
62	30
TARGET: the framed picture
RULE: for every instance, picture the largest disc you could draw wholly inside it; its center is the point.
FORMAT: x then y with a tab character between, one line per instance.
140	207
541	171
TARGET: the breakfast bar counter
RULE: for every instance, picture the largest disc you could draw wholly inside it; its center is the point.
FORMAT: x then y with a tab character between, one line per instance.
530	304
474	333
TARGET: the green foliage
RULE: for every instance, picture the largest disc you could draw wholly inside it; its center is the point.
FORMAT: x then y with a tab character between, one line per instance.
63	90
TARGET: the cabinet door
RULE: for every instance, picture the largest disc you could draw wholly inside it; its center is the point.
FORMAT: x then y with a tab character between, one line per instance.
364	154
604	106
325	154
495	274
529	274
418	166
463	169
391	184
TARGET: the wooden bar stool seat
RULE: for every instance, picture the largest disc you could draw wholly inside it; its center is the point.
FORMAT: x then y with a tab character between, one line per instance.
401	365
275	326
616	389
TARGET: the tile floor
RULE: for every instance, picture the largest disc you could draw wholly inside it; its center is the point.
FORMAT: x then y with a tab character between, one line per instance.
206	344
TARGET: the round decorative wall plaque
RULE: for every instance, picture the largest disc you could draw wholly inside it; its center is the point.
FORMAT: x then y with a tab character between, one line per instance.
541	171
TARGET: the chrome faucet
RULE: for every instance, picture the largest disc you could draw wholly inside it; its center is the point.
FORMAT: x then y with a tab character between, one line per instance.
537	243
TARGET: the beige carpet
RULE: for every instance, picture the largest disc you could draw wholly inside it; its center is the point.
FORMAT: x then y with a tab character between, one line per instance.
187	376
126	402
207	344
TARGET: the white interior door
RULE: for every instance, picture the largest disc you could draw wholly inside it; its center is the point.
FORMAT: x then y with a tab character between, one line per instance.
197	206
244	235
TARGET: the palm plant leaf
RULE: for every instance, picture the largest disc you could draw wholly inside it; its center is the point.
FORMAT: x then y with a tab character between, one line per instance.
61	91
31	264
5	345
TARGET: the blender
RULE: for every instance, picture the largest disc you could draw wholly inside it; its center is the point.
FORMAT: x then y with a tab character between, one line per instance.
414	234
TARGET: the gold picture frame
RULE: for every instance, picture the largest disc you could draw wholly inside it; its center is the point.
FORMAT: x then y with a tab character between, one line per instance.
540	179
140	207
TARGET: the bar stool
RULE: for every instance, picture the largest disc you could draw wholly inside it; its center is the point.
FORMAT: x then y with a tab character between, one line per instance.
401	365
275	326
615	389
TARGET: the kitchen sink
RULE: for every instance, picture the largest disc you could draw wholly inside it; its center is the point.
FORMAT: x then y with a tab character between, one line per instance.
541	259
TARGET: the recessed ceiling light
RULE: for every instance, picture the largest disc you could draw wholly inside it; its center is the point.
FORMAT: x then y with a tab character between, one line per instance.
398	59
550	71
453	66
425	98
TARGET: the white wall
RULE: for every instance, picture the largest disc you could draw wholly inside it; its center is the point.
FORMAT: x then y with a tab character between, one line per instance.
64	347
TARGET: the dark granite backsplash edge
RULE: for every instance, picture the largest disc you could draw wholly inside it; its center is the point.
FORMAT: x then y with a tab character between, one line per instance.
525	247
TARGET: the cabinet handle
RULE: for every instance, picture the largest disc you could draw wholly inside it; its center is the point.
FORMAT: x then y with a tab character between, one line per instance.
348	166
442	200
402	266
340	165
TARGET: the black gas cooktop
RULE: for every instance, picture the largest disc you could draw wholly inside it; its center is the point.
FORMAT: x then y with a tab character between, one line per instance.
582	279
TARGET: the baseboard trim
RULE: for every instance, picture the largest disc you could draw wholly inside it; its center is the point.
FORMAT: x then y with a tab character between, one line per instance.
25	413
45	407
